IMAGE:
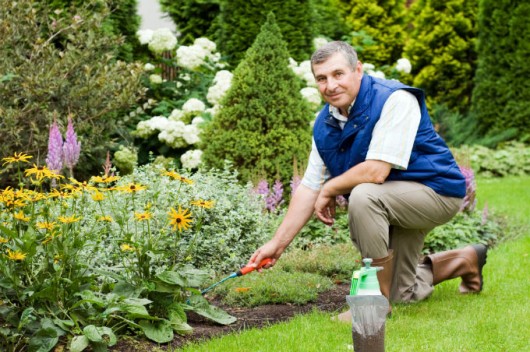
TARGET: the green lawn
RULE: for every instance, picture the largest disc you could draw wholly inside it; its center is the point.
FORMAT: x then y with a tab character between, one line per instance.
496	320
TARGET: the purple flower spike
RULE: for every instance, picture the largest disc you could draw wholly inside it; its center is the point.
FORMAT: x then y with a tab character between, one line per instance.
275	197
469	202
54	160
71	148
262	188
295	182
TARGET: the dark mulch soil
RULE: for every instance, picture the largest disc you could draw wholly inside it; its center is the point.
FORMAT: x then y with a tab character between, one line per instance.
330	301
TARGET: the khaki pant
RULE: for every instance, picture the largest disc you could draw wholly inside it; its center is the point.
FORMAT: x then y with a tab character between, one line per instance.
397	215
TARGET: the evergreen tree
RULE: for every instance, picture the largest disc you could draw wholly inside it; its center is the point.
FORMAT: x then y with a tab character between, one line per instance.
240	22
378	30
264	122
441	48
501	98
328	20
194	18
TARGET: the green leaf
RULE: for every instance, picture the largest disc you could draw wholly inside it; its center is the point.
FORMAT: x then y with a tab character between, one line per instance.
103	335
202	307
135	311
194	277
26	317
92	333
43	341
177	317
125	289
159	331
172	277
79	343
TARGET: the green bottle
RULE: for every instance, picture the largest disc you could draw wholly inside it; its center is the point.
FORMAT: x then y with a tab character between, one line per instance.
364	281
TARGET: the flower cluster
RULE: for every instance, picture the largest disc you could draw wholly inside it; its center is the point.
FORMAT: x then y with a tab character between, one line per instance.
221	83
469	202
63	153
158	41
273	197
310	92
194	56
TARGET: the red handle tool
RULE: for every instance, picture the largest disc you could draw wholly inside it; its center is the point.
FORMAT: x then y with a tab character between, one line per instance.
249	268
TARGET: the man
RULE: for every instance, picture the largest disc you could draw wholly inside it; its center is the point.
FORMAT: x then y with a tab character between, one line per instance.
374	143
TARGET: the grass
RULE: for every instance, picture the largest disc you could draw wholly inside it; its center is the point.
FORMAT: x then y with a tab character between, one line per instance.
495	320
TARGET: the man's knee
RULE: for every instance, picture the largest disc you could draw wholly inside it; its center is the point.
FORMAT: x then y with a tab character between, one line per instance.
363	199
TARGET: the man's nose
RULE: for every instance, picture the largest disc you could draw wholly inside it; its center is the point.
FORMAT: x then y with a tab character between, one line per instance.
332	84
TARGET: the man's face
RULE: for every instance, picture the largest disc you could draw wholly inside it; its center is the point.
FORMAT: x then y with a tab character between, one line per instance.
337	81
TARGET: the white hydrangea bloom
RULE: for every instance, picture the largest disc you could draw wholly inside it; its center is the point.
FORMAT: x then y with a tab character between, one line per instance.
191	159
193	105
176	115
304	72
191	134
378	74
368	67
155	79
146	128
312	95
173	134
144	36
404	65
206	44
214	110
163	40
319	42
149	67
221	83
191	57
198	120
292	63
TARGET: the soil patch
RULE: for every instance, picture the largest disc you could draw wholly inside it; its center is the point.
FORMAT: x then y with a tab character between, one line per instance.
203	329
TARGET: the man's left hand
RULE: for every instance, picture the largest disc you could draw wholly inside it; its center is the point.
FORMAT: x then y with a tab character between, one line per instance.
325	208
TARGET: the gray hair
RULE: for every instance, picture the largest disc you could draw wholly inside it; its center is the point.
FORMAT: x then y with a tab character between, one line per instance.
324	52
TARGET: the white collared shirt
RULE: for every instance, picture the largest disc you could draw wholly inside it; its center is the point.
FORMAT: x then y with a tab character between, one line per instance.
392	138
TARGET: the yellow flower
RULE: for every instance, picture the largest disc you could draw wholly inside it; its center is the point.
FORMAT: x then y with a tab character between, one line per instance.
105	218
21	216
176	176
208	204
132	188
41	172
104	179
3	240
17	158
180	219
56	258
68	219
142	216
98	196
46	225
16	255
80	186
126	248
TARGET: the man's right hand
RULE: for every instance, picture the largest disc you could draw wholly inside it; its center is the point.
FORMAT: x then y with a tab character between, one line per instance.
271	250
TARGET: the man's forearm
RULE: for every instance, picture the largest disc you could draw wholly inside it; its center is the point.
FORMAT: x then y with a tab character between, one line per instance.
369	171
300	210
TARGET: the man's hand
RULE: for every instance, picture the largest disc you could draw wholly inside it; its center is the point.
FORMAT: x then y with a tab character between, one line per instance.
271	250
325	208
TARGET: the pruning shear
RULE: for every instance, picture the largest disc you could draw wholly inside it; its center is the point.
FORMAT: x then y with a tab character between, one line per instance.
243	271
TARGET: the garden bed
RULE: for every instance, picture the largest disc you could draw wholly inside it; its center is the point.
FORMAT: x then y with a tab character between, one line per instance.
247	318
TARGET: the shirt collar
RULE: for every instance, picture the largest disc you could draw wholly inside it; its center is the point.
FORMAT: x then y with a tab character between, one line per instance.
334	111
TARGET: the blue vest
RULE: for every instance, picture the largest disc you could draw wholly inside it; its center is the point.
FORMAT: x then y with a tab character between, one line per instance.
431	162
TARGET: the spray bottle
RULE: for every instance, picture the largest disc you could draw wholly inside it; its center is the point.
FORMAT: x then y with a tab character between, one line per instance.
369	309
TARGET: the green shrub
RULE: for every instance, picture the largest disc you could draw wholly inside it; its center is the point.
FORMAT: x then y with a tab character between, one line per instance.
382	23
511	158
194	18
264	121
501	96
464	229
241	21
58	66
441	47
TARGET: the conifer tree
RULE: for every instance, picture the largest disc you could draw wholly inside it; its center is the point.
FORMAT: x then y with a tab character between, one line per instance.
240	22
501	98
441	48
382	22
264	123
